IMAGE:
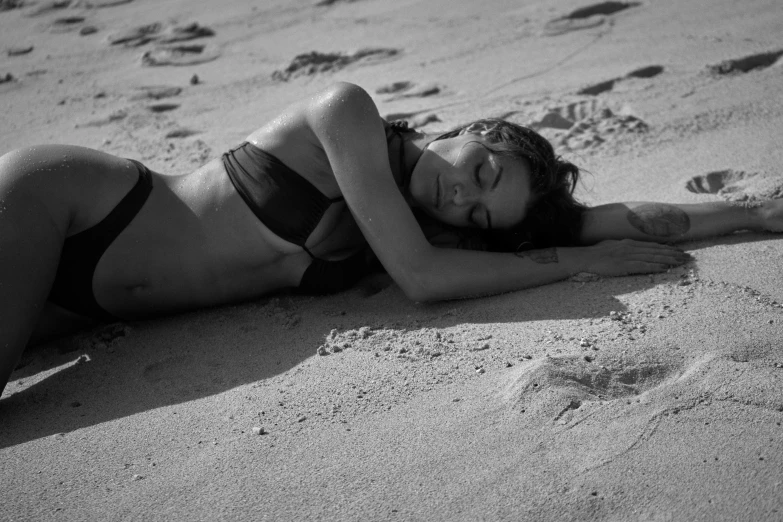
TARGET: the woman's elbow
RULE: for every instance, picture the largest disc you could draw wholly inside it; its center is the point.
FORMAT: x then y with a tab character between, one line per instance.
420	287
419	295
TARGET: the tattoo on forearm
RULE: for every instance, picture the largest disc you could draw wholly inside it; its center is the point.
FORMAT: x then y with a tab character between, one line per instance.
542	257
659	220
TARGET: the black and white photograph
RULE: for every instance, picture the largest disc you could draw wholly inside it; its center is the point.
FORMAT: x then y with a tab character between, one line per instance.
374	260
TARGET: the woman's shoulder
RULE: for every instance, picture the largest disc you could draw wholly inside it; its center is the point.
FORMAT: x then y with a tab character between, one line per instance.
341	105
328	111
341	95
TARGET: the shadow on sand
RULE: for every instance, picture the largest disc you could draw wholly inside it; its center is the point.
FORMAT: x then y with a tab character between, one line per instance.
165	362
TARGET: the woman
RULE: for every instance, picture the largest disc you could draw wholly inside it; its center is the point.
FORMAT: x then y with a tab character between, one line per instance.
85	235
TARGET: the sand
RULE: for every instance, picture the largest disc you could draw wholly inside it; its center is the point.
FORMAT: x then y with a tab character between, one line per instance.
638	398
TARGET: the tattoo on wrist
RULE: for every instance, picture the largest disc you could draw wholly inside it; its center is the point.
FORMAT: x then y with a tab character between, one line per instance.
659	220
542	257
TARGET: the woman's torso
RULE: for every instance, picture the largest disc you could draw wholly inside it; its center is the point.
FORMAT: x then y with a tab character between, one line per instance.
197	243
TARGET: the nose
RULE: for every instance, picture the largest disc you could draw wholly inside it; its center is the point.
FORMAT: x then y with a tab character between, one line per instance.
465	195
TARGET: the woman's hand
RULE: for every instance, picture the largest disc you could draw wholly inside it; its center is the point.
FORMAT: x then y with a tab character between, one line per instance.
626	256
771	214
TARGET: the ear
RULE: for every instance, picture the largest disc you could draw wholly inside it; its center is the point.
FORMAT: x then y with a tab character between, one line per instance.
476	128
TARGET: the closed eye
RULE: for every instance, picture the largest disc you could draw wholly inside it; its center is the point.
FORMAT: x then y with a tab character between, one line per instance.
497	178
477	175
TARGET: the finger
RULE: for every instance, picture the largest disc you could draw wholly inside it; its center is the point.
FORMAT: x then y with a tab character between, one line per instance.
672	258
643	267
652	245
660	249
655	247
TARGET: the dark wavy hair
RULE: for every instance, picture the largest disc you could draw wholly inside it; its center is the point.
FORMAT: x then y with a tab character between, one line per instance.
555	216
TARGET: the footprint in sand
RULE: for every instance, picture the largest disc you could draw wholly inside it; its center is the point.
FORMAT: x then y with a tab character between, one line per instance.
585	17
649	71
738	185
554	387
156	92
584	124
314	62
7	5
19	50
67	23
104	3
136	36
100	122
643	396
406	89
180	133
576	111
394	88
414	119
183	33
180	55
163	107
746	64
157	32
742	374
47	7
53	5
598	88
331	2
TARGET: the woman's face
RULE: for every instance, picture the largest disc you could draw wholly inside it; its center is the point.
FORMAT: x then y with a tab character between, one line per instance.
460	182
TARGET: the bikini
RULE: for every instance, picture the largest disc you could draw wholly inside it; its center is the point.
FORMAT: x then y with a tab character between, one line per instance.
72	288
285	202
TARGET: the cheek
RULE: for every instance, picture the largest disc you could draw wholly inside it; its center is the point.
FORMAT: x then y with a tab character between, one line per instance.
453	217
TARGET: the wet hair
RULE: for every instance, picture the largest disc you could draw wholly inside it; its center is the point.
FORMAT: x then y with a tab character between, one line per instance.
555	216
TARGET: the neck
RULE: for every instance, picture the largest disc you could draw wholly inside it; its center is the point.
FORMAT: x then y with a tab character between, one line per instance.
414	145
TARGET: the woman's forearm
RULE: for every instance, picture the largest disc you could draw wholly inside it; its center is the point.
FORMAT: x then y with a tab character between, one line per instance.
451	274
454	274
665	222
448	273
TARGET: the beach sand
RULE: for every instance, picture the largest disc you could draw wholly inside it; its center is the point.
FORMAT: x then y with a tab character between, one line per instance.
655	397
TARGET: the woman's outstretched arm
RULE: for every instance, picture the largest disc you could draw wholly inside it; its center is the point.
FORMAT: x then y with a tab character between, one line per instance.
347	124
645	221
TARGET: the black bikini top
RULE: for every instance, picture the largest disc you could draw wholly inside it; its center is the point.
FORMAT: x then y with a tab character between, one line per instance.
285	202
291	207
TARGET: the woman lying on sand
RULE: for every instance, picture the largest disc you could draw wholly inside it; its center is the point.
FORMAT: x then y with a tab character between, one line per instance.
86	235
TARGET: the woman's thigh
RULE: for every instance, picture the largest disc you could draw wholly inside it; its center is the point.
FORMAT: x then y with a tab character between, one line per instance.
46	193
55	322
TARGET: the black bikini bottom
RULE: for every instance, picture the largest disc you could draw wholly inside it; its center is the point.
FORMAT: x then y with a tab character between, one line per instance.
72	288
